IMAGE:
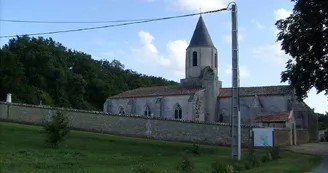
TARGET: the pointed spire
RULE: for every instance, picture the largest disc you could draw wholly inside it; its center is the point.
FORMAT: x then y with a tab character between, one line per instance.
201	37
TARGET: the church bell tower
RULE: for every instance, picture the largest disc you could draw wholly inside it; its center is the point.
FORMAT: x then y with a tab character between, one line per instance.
201	68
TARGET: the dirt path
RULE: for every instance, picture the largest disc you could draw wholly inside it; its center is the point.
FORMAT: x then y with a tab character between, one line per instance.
320	148
314	148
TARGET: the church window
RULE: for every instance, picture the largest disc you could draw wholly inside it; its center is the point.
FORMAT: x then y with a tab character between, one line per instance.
147	111
121	110
216	60
178	112
194	58
221	118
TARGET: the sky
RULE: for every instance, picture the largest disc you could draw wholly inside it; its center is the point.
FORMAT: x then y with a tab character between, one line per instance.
158	48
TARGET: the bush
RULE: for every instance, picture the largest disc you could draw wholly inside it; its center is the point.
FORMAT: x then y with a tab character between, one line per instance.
56	129
326	135
267	157
274	152
219	167
238	166
252	161
195	149
185	166
142	169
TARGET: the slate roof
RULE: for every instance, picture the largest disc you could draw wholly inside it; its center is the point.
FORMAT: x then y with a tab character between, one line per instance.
179	90
273	117
259	90
157	91
201	37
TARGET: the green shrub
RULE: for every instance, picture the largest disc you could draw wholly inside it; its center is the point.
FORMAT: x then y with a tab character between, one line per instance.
326	135
219	167
185	166
252	160
267	157
238	166
274	152
194	149
142	169
56	129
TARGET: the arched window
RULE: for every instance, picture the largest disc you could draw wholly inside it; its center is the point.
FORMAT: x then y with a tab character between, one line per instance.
178	112
194	58
147	111
221	118
121	110
216	60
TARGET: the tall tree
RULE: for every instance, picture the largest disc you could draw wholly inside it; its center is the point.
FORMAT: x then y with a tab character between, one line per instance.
304	36
40	69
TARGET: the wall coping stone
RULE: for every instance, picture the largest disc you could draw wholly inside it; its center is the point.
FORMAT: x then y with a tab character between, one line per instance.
120	115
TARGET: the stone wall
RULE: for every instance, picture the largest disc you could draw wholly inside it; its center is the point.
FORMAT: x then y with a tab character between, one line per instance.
302	136
137	126
281	137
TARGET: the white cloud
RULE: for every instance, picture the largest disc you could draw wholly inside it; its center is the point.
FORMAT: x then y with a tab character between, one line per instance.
173	61
282	13
243	71
272	53
258	25
197	5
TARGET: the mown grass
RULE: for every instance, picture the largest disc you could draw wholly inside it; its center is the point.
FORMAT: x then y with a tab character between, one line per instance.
23	150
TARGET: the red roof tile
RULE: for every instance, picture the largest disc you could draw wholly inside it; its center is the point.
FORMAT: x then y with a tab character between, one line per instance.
223	92
261	90
156	91
273	117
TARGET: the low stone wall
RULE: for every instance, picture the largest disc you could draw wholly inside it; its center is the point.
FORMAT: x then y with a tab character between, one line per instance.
281	137
302	136
137	126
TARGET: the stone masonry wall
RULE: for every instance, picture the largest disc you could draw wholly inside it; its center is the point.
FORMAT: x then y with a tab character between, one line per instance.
282	137
302	136
137	126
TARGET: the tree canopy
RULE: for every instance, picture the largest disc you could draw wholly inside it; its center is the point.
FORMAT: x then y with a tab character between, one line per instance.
41	69
304	36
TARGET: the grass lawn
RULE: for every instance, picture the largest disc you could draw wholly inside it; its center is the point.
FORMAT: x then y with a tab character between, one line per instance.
23	150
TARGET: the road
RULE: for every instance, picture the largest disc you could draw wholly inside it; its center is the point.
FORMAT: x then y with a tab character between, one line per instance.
320	148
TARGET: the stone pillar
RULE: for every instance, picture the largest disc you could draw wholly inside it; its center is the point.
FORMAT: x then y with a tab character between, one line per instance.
8	99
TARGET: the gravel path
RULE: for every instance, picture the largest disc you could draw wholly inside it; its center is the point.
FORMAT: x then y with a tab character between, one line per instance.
320	148
322	167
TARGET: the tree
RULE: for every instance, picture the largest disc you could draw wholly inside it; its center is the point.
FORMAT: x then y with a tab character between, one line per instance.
40	69
304	36
56	129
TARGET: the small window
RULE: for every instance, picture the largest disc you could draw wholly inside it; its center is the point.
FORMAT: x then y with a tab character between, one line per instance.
121	110
221	118
178	112
147	111
216	60
194	58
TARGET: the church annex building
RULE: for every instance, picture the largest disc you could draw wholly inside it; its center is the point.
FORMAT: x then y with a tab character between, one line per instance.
200	96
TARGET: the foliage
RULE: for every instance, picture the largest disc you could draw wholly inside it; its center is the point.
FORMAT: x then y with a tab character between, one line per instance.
40	69
219	167
266	157
252	161
304	36
273	152
185	166
142	169
323	122
194	149
56	129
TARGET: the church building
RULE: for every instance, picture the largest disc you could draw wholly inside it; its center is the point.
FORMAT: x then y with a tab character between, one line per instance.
200	96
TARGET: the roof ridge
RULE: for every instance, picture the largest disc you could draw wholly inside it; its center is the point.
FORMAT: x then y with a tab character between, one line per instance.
265	86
